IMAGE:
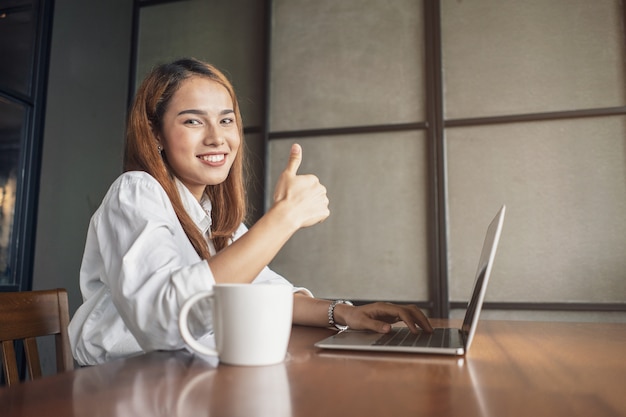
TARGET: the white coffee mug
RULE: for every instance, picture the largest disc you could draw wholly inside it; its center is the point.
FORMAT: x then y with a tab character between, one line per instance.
252	323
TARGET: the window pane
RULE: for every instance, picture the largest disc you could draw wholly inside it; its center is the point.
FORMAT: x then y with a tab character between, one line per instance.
515	57
374	245
17	43
12	118
564	183
346	63
227	34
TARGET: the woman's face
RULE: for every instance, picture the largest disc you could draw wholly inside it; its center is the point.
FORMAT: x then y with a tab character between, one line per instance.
199	134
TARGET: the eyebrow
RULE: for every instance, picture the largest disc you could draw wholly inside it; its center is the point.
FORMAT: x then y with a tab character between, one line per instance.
203	113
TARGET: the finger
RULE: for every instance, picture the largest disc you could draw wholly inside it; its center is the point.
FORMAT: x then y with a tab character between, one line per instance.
423	321
416	316
409	314
295	158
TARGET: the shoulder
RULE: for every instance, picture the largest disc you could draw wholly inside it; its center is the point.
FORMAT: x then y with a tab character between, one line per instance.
136	191
137	184
136	180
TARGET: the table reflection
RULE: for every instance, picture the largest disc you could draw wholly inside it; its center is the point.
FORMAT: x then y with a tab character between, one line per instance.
189	387
242	391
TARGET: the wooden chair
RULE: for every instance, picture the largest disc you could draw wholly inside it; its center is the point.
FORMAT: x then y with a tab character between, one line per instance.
26	316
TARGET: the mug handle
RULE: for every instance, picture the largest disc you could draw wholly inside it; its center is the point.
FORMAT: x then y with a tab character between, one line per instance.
184	328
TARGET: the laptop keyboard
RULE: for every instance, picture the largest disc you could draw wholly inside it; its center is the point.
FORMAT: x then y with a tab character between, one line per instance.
402	336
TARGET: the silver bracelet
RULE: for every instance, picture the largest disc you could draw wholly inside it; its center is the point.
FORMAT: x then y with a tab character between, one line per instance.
331	314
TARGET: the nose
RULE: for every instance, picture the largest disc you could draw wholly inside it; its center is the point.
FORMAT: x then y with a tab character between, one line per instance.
213	136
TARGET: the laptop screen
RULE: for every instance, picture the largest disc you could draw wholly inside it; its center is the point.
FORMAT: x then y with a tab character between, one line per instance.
482	277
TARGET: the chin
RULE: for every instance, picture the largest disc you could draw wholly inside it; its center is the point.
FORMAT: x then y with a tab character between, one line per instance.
216	181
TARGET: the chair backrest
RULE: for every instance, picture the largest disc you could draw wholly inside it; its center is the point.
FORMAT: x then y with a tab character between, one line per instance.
30	314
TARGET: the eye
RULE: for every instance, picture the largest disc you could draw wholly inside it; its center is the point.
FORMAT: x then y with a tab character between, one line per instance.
228	121
193	122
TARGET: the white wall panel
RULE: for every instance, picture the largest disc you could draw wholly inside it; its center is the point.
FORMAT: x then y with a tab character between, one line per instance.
346	63
374	244
564	182
509	56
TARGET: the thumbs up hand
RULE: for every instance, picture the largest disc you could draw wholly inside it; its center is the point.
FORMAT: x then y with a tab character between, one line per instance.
303	195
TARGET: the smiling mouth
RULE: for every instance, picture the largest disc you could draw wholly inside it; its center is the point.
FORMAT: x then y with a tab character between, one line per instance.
212	158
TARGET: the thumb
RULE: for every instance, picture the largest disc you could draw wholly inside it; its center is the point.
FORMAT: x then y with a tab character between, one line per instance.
295	158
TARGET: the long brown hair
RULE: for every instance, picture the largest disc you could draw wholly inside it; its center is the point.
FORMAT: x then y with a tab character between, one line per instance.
141	154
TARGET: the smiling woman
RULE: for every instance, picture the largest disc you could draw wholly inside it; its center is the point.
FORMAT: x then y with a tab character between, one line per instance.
199	134
172	225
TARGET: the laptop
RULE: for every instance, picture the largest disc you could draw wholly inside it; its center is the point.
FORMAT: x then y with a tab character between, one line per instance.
446	341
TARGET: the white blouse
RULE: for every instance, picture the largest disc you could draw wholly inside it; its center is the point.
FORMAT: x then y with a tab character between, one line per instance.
138	269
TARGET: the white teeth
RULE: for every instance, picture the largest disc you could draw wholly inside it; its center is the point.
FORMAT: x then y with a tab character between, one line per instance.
212	158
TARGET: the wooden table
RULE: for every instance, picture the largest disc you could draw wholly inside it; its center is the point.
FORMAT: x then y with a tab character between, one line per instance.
513	369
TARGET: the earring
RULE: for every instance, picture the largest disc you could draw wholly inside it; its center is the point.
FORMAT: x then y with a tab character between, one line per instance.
160	149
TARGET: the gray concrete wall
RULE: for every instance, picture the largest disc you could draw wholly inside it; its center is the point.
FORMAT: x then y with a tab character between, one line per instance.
83	135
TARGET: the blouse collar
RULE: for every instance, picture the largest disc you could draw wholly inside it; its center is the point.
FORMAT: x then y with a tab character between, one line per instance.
200	212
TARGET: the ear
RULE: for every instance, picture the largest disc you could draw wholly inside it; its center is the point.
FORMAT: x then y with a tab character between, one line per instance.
155	132
157	137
